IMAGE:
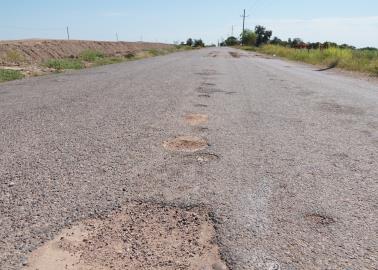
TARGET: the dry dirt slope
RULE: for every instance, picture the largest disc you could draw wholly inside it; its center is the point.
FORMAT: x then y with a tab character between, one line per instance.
36	51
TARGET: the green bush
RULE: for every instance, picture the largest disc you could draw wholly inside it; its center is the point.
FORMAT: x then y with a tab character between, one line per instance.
91	55
61	64
10	74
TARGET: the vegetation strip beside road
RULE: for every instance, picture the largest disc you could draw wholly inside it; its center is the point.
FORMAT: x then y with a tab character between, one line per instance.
10	74
365	61
327	54
86	59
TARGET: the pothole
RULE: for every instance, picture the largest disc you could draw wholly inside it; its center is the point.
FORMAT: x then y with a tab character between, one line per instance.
207	72
140	236
319	219
186	144
196	119
201	129
340	109
200	105
206	157
234	54
208	84
204	96
209	90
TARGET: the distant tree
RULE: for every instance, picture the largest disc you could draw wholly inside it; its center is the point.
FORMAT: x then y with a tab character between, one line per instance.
231	41
368	49
248	37
198	43
189	42
297	43
347	46
276	41
262	35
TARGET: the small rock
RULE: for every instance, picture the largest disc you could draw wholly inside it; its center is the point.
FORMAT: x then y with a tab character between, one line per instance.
219	266
11	184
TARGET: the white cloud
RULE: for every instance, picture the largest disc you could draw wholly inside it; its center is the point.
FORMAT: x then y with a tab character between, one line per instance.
358	31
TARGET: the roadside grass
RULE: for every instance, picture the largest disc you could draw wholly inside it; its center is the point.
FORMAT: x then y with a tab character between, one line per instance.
365	61
9	75
91	55
88	58
62	64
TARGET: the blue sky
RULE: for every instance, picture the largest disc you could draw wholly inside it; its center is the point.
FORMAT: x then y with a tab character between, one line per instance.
343	21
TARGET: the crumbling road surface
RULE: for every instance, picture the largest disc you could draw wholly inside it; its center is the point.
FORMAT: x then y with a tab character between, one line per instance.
209	159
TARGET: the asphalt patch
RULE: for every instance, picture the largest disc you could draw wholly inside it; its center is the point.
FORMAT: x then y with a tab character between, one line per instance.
196	119
139	236
186	144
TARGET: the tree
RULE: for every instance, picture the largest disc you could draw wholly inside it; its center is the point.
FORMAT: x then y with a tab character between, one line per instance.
199	43
189	42
262	35
248	37
231	41
276	41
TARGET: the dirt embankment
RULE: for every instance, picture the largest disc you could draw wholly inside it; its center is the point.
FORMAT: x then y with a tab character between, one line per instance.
15	53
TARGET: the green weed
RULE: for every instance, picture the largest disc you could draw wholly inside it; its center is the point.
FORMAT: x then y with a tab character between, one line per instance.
10	75
61	64
355	60
91	55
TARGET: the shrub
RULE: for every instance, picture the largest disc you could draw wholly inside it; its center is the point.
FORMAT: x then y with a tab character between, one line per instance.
14	56
61	64
91	55
10	74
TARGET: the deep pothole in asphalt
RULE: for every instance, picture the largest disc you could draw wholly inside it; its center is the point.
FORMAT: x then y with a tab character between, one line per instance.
196	119
139	236
186	144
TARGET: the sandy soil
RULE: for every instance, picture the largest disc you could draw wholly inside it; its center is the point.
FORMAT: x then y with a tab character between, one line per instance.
196	119
185	144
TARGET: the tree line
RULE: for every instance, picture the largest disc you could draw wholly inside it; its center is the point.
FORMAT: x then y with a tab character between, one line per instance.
260	36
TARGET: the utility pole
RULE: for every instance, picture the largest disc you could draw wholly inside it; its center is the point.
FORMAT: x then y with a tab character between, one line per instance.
117	36
232	31
68	33
243	16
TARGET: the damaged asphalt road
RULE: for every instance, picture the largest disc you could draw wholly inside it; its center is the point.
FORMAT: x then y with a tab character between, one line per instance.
279	163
